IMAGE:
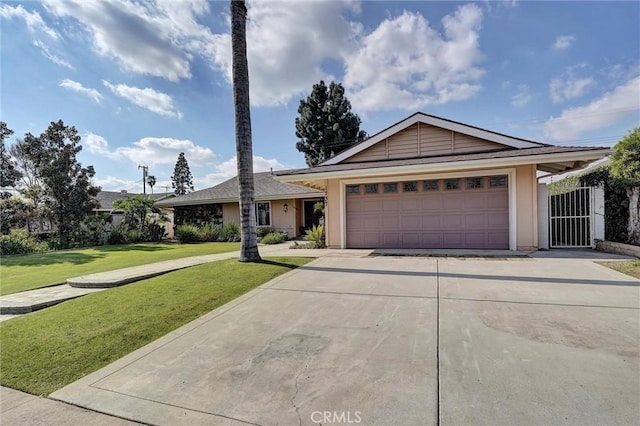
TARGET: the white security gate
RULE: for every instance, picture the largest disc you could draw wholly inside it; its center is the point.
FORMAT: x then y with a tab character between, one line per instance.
571	219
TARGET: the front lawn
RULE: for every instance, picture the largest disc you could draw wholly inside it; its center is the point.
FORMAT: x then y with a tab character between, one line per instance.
631	267
20	273
46	350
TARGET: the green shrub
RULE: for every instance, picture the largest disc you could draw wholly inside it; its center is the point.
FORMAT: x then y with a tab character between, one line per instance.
230	232
262	231
155	232
117	236
210	232
187	234
316	236
135	236
19	241
274	238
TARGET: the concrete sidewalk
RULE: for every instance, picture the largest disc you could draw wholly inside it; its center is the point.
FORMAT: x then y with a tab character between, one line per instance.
33	300
19	408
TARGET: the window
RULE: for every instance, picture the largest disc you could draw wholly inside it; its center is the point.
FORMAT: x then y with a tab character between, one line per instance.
353	189
430	185
452	184
497	181
371	188
263	214
475	182
390	187
410	186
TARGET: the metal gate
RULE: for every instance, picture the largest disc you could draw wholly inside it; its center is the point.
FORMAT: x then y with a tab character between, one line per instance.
571	219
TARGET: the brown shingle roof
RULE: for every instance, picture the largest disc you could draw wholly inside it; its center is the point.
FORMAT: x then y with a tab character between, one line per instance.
266	187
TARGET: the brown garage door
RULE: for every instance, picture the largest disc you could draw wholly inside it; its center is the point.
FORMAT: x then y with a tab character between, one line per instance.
445	213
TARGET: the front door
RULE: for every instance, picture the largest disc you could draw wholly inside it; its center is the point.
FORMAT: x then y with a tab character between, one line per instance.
310	216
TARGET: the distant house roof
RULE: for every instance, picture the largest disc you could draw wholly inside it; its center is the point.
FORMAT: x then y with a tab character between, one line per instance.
107	198
266	188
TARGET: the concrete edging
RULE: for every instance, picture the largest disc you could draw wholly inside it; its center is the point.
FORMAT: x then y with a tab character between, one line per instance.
618	248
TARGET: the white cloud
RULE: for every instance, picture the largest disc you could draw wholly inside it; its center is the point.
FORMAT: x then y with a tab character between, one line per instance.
112	183
228	169
152	151
287	43
163	31
79	88
157	102
34	21
564	89
564	42
405	63
53	58
618	104
522	97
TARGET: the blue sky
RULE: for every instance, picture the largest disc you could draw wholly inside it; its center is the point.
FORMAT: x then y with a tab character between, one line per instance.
144	80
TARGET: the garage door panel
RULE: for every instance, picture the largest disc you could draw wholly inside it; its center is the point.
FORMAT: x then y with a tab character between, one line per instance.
391	223
410	239
498	220
411	204
475	220
452	239
431	222
438	218
475	201
498	200
410	222
433	202
431	239
371	222
453	202
452	221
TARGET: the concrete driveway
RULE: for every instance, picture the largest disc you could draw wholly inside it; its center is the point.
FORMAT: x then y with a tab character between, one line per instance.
395	340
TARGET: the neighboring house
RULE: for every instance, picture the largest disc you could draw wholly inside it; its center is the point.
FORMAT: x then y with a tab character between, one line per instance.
107	198
281	206
429	182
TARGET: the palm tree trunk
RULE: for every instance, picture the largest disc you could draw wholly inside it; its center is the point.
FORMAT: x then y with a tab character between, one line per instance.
249	246
633	227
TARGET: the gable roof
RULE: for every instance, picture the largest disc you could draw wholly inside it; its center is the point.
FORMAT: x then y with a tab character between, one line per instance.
107	198
454	126
266	188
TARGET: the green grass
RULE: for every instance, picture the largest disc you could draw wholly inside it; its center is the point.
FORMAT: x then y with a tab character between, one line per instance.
46	350
20	273
631	267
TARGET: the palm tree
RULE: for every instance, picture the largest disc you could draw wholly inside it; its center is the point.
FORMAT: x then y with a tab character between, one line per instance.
151	181
249	246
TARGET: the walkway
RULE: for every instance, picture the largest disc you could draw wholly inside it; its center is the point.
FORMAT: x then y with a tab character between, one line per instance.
33	300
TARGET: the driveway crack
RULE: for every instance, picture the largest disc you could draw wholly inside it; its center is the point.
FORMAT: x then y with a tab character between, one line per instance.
293	398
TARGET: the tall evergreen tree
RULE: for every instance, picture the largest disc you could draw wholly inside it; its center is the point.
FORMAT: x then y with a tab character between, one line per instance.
182	180
244	150
8	173
69	191
326	124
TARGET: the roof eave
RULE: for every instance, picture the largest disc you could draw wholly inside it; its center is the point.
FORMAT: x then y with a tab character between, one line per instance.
582	156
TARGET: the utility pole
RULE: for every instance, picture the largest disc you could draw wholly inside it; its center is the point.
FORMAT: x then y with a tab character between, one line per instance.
145	170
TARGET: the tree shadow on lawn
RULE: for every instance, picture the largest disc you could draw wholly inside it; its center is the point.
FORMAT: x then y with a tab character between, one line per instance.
129	247
51	258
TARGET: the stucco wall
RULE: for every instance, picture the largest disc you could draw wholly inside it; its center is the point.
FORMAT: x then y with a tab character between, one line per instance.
332	214
280	221
230	213
527	207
